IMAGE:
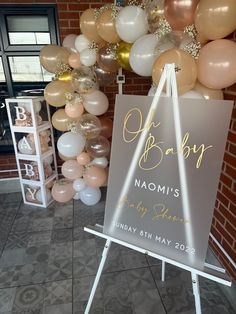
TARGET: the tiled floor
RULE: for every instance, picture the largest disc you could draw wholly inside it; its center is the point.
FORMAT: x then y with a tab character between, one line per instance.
48	264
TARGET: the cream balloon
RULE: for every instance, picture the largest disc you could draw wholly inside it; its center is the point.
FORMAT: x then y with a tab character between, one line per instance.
131	23
96	103
142	55
70	144
88	57
81	43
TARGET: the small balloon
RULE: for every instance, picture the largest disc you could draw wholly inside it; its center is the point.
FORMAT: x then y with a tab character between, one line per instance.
61	121
84	80
105	78
79	184
83	159
81	43
74	109
89	125
76	196
39	196
88	57
62	191
106	60
72	170
107	126
123	53
98	147
90	196
101	162
74	60
95	176
69	42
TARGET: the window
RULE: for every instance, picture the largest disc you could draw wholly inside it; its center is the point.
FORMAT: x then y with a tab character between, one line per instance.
25	29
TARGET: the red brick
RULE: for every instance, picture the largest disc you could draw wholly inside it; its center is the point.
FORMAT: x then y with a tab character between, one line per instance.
229	250
231	229
78	6
222	199
230	159
62	7
216	234
219	216
229	194
232	209
228	214
68	15
230	171
226	180
224	234
75	24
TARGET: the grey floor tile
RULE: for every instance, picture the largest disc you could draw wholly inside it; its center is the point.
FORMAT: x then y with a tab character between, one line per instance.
17	239
39	254
83	217
63	222
62	235
148	302
58	309
39	238
59	270
29	298
133	259
41	224
140	279
60	251
13	257
80	234
58	292
82	288
7	297
35	273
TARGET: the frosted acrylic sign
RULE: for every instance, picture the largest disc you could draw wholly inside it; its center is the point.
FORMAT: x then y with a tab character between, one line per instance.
164	174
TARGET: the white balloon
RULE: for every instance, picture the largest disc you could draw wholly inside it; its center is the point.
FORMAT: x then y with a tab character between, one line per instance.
49	159
36	103
25	146
70	144
81	43
39	196
96	102
100	161
142	55
192	94
79	185
76	196
131	23
90	196
88	57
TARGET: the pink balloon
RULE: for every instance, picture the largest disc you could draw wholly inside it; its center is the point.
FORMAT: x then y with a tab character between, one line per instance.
69	42
217	64
96	103
74	109
62	191
95	176
74	60
72	170
83	159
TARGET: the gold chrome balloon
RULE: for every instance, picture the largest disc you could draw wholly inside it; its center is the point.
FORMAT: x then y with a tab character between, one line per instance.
123	52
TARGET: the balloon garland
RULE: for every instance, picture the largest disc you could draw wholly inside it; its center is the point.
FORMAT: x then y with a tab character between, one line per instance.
139	37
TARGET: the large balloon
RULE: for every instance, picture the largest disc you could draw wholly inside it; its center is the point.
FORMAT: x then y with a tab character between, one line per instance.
95	176
81	43
72	170
52	55
83	159
96	103
180	13
69	42
89	125
55	93
90	196
186	69
70	144
98	147
62	191
131	23
215	19
106	60
84	80
106	27
154	10
142	55
104	78
88	25
217	64
61	121
208	93
123	53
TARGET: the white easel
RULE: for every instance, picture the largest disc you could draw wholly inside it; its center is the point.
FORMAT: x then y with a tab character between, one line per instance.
211	272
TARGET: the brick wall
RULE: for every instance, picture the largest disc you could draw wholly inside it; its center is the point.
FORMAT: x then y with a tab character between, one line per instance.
224	221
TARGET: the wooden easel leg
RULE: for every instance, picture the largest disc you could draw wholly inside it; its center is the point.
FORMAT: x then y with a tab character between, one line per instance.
97	278
196	292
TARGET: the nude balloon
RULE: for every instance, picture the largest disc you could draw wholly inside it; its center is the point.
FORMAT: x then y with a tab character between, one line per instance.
106	27
186	69
88	25
62	191
95	176
217	64
96	103
72	170
55	93
208	93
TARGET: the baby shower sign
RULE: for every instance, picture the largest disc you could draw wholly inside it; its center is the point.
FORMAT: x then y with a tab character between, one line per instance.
164	173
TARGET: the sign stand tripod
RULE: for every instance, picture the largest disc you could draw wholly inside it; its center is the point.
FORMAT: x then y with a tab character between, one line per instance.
209	271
